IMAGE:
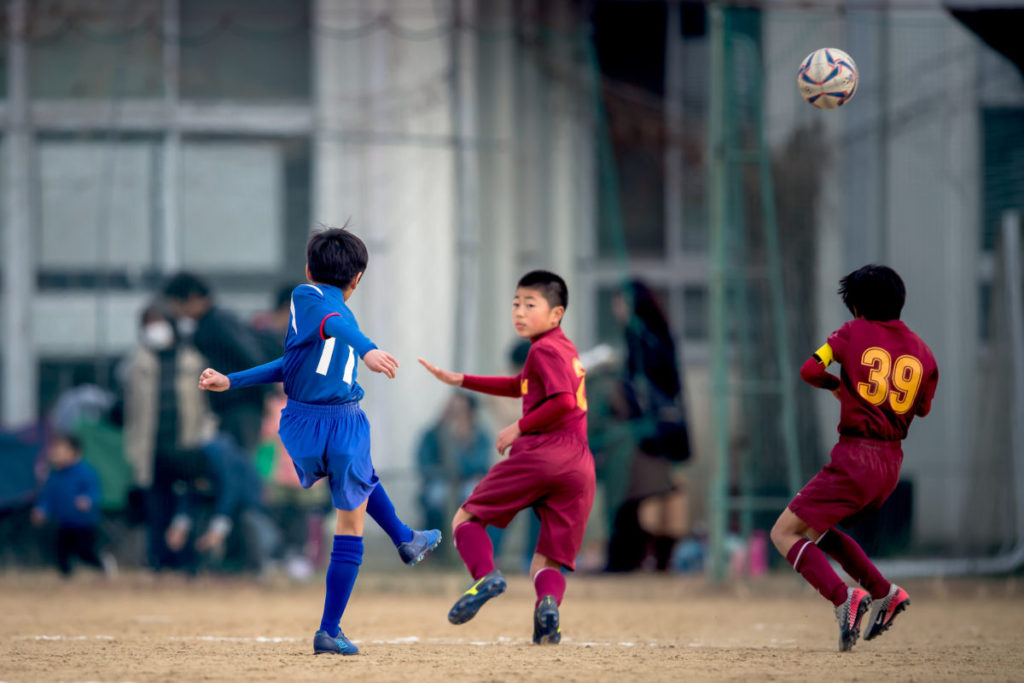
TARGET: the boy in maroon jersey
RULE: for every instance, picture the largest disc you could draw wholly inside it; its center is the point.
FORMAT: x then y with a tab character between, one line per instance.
888	376
549	468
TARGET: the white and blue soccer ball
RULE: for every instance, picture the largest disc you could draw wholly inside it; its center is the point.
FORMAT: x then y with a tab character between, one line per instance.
827	78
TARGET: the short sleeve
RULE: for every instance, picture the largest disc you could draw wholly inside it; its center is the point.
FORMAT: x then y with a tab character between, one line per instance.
552	371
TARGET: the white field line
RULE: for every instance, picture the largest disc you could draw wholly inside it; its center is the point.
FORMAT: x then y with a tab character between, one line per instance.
402	640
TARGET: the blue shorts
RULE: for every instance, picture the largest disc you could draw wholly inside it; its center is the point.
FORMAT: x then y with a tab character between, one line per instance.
330	441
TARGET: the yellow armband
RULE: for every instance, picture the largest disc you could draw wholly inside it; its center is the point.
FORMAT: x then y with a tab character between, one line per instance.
825	355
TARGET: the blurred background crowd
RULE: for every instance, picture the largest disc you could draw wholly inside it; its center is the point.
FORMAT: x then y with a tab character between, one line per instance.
151	472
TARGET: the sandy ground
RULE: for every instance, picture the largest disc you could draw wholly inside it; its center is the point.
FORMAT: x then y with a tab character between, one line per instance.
642	627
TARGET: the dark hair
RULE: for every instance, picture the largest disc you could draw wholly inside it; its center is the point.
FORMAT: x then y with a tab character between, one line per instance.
548	284
283	297
184	285
153	312
335	256
72	440
874	292
646	310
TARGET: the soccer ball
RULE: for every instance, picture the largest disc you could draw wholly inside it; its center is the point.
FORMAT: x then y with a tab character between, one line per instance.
827	78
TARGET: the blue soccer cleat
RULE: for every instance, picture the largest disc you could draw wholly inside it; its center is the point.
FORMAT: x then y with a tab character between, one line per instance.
323	644
546	630
419	546
465	608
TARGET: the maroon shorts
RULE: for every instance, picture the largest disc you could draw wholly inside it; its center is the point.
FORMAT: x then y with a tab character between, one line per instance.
861	474
553	474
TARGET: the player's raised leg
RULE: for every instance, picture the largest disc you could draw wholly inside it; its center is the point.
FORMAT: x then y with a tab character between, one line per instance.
549	583
346	557
795	540
477	553
413	545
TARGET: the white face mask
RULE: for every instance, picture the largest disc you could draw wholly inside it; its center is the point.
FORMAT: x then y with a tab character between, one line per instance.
158	335
186	326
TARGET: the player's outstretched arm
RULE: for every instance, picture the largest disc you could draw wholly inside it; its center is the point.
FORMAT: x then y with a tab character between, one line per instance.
211	380
381	361
447	376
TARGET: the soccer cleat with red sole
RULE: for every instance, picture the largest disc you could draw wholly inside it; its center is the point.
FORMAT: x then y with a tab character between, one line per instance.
849	615
884	611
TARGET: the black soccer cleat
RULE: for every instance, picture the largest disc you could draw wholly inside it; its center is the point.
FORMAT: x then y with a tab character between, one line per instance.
546	630
419	546
849	615
884	611
465	608
323	644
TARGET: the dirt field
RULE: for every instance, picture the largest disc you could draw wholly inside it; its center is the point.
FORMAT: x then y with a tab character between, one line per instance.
644	628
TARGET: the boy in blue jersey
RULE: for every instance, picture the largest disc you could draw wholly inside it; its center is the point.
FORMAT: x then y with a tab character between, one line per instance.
70	499
322	427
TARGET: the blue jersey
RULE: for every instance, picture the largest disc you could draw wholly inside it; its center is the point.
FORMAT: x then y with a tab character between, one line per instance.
320	367
321	351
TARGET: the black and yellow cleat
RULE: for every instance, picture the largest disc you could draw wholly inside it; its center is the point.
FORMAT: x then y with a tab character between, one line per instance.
546	630
466	607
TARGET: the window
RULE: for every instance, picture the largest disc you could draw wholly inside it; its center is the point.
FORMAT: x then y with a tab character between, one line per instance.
98	202
95	49
243	201
245	49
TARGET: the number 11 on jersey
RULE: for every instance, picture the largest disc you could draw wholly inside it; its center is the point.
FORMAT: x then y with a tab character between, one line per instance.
325	360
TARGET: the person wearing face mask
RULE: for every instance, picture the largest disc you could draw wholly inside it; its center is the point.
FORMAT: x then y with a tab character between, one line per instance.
165	414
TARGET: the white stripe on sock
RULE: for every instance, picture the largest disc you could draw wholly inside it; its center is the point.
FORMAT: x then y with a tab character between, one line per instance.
796	562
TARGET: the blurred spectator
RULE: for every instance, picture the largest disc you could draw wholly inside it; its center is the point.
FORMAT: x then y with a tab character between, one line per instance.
216	510
272	326
228	345
652	516
454	454
164	414
70	500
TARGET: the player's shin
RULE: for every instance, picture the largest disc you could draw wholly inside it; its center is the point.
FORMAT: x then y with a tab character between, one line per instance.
811	563
854	561
549	581
475	548
346	557
382	510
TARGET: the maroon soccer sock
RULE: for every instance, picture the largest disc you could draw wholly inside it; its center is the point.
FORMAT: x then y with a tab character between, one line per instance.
549	581
854	561
475	549
810	561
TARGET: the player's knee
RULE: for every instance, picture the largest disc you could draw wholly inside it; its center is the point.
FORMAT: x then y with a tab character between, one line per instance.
461	516
780	534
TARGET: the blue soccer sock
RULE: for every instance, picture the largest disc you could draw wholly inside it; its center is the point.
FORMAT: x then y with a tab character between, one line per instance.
380	508
341	577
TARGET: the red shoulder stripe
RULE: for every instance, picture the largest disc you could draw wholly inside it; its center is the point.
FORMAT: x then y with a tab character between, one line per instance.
323	321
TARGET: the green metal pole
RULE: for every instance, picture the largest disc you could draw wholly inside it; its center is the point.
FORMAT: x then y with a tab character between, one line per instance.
778	297
718	218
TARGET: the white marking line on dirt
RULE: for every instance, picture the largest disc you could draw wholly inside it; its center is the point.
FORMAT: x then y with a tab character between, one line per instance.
240	639
413	640
403	640
64	637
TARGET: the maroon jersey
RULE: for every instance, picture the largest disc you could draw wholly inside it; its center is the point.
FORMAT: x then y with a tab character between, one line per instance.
888	376
552	368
